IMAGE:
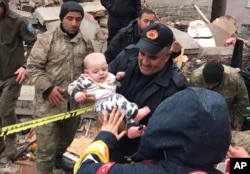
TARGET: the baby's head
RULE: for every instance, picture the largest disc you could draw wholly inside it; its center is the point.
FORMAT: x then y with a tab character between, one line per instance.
96	67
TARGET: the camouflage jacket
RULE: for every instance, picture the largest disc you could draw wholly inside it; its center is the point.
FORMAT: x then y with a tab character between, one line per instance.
14	30
55	59
232	88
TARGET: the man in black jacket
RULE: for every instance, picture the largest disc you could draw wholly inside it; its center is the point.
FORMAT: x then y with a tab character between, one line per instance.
150	76
121	13
14	30
130	34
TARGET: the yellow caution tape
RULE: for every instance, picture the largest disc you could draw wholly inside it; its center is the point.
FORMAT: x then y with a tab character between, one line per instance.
42	121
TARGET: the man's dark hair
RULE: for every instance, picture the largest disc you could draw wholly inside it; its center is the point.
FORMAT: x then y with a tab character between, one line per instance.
146	10
213	72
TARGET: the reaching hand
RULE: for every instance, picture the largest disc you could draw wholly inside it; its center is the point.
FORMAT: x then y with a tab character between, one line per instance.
21	75
80	96
84	98
120	75
176	47
112	124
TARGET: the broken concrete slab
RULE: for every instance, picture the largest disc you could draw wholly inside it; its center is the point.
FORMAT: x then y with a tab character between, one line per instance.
24	104
51	25
88	27
201	33
26	15
227	23
220	35
27	93
187	42
94	8
49	14
217	51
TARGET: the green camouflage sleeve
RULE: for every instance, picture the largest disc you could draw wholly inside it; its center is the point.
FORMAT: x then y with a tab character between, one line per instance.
37	61
242	102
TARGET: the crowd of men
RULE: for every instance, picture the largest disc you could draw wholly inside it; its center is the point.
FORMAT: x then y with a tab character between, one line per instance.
187	126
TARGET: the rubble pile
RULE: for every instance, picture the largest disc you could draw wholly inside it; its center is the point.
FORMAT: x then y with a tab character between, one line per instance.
31	5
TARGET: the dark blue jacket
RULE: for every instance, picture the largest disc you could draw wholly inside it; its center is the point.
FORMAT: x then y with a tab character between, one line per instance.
161	85
157	88
126	36
161	167
191	138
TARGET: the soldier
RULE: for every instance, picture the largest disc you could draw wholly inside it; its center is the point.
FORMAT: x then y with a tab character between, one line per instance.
226	81
14	30
121	13
56	60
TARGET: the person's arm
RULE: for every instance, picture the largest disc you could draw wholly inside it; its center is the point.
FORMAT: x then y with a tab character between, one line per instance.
78	90
36	63
95	160
98	150
77	85
123	59
118	62
27	33
175	49
115	46
242	102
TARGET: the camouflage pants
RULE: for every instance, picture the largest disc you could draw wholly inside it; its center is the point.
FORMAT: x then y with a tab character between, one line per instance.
53	139
9	93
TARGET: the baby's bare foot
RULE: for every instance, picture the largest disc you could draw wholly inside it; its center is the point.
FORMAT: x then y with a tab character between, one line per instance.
143	112
136	131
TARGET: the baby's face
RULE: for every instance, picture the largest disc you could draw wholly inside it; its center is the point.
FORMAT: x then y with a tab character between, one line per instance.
98	71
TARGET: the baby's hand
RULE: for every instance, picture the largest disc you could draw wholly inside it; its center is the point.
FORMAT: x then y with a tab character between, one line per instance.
120	75
79	96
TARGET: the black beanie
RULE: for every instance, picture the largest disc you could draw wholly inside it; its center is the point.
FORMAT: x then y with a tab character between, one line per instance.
213	72
70	6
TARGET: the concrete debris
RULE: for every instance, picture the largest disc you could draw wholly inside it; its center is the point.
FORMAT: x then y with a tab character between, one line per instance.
201	33
219	34
227	23
187	42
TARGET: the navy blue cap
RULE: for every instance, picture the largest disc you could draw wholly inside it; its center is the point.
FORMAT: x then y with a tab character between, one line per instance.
154	38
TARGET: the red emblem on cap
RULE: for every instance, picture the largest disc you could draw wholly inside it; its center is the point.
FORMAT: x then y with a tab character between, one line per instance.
152	34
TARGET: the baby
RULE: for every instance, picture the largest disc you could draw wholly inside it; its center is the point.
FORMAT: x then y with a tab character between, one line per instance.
98	82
